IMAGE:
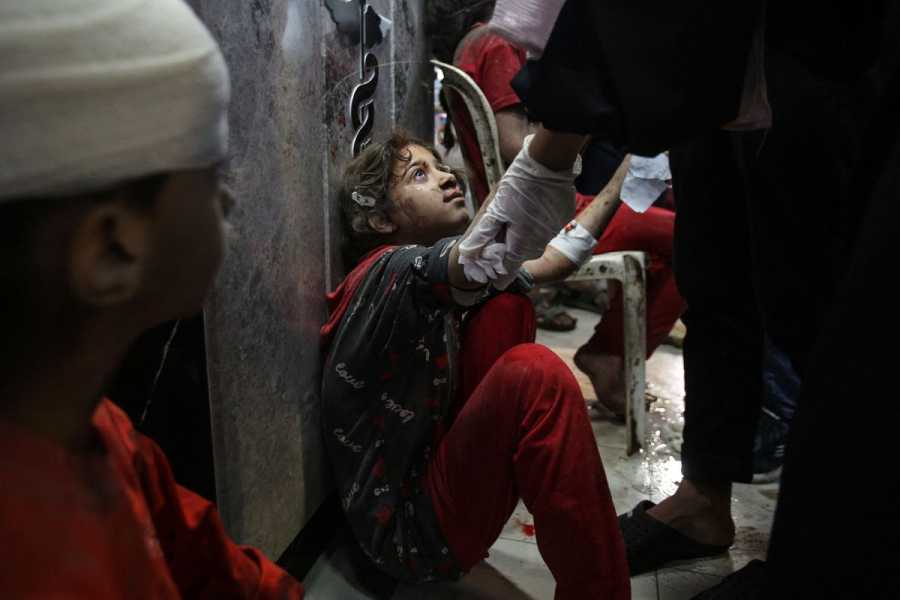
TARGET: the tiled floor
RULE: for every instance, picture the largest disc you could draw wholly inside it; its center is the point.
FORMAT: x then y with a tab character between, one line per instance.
515	570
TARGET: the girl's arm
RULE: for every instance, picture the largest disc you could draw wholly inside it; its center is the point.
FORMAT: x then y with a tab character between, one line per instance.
553	265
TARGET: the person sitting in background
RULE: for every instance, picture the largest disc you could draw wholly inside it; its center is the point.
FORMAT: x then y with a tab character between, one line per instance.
461	37
114	121
438	410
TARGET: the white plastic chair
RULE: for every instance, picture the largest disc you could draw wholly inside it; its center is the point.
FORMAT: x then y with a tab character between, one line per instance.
626	267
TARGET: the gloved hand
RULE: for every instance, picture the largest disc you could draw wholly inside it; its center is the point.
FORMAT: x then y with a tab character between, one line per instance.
532	203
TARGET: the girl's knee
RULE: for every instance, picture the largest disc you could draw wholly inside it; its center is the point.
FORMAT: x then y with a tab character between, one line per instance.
510	306
540	382
535	361
508	318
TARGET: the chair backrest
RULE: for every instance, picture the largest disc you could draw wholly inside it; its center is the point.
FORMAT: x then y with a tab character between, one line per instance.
481	115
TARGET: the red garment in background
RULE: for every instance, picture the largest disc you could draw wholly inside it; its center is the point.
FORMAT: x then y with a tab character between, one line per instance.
524	432
651	232
491	62
113	524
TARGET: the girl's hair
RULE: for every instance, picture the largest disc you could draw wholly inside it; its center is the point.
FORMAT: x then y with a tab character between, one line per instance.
365	188
448	21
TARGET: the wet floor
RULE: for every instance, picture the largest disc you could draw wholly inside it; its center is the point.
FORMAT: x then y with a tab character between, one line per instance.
515	570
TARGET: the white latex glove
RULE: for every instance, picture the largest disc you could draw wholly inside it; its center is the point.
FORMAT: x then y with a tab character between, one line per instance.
526	23
532	203
486	267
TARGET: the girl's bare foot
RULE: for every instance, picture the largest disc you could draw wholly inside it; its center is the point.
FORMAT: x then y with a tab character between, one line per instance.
606	373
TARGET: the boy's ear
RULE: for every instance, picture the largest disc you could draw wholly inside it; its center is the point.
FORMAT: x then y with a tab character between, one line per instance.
109	252
380	222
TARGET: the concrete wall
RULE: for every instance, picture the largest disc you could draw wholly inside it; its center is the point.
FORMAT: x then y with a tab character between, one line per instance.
292	73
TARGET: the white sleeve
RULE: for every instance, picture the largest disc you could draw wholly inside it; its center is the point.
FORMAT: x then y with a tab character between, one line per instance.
526	23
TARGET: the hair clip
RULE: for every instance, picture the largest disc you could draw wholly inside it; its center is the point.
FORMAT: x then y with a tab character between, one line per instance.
363	200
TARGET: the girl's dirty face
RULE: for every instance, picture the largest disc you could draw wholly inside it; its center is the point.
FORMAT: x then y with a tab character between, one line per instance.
427	203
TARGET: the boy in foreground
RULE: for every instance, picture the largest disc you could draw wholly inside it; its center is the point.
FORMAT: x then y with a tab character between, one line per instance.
114	119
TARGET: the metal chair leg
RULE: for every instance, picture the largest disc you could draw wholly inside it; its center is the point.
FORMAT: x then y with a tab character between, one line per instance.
634	304
628	268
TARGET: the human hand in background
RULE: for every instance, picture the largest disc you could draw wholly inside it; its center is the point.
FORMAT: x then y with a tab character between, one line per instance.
531	204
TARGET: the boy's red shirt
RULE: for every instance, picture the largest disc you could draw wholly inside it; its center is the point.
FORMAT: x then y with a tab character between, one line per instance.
492	62
116	525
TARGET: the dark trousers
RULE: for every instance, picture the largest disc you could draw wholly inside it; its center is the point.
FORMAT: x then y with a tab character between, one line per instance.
837	527
763	225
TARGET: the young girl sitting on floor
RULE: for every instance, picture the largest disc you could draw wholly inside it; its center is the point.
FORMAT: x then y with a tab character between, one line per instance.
439	411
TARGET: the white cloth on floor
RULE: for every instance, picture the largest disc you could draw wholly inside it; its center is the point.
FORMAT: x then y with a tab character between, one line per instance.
526	23
531	204
645	180
93	92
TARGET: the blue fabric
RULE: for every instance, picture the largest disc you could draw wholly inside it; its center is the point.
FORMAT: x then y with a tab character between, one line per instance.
781	387
781	384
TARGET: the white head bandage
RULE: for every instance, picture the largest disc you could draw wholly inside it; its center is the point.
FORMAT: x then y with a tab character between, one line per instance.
93	92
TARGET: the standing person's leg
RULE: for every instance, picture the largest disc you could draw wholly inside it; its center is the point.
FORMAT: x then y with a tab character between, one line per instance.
848	545
799	221
723	349
525	433
722	359
803	210
823	512
601	356
853	539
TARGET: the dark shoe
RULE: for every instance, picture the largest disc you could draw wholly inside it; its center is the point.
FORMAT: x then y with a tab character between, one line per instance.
650	544
767	477
768	447
548	311
748	583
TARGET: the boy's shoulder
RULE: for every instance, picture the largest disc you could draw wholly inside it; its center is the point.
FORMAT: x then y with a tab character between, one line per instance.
479	44
111	420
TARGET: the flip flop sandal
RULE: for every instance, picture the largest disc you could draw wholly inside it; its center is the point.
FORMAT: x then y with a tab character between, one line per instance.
650	544
554	318
574	299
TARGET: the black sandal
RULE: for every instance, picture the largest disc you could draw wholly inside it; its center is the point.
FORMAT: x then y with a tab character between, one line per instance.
650	544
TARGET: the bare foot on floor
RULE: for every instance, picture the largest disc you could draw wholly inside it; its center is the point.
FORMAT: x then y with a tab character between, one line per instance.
606	374
700	511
